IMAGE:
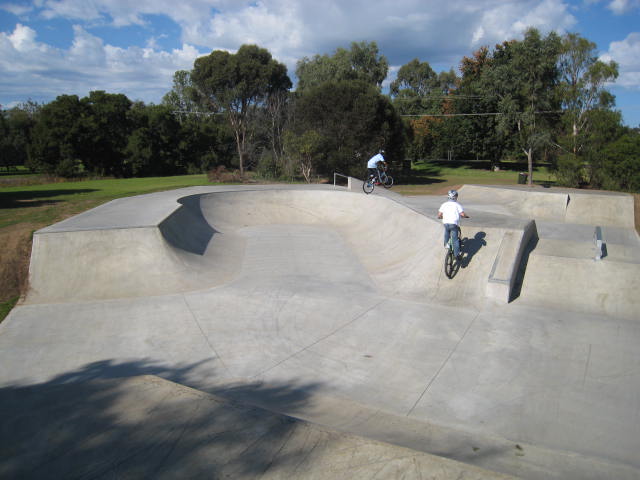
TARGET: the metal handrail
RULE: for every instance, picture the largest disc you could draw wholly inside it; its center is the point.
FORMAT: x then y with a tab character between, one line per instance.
336	174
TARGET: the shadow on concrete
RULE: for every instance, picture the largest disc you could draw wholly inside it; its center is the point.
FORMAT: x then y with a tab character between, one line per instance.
30	198
472	246
522	268
98	421
186	228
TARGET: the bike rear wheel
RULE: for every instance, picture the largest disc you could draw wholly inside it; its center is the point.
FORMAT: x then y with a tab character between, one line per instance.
388	182
367	187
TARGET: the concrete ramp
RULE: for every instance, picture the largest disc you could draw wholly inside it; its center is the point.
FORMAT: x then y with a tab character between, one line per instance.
558	205
146	427
582	284
201	243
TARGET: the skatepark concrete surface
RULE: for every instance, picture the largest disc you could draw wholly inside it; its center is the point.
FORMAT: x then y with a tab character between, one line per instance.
310	332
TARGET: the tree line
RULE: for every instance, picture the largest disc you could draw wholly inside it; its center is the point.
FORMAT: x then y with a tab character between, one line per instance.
539	99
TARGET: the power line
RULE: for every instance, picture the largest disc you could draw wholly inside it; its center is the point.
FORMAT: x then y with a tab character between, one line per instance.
475	114
197	113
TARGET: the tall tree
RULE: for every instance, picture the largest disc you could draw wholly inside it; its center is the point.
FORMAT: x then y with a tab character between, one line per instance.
236	84
56	136
104	131
362	62
524	77
416	89
16	126
153	144
182	97
351	118
419	91
474	97
582	82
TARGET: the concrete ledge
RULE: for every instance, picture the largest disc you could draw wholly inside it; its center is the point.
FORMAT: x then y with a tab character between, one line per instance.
505	267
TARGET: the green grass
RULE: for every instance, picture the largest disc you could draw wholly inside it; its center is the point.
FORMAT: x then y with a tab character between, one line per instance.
49	203
5	307
429	178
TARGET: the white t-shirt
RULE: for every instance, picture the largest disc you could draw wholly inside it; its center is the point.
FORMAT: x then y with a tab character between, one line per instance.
451	212
373	161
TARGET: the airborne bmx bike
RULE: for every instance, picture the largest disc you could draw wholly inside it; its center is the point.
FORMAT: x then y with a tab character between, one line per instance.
451	263
381	178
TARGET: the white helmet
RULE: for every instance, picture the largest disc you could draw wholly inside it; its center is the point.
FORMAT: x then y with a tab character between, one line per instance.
452	194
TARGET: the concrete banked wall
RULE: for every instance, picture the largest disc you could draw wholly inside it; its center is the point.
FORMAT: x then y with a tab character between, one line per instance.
200	245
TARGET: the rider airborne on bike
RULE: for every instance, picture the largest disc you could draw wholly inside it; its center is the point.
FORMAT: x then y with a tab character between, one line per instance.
375	162
450	213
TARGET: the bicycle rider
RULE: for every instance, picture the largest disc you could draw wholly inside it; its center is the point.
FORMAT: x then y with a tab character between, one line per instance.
374	163
450	213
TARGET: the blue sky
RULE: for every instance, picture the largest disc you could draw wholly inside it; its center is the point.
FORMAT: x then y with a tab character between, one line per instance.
54	47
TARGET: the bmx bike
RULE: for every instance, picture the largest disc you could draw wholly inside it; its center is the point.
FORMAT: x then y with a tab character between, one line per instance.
382	179
451	263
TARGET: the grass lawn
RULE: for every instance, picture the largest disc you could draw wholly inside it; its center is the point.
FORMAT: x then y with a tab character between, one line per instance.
435	178
26	207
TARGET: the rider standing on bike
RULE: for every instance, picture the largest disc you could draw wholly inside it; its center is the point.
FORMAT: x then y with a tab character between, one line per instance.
450	213
373	165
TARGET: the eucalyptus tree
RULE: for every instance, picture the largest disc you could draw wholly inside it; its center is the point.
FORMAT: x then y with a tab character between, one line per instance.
478	105
236	85
16	125
349	121
182	97
418	91
104	130
583	93
362	61
583	78
622	161
524	76
55	142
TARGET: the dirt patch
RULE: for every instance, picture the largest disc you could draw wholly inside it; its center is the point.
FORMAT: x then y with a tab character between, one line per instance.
14	260
636	210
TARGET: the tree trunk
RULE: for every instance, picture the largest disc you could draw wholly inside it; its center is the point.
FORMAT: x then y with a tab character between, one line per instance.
530	165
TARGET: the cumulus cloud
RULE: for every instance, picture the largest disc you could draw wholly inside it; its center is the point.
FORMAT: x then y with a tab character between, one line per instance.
431	30
627	54
35	70
620	7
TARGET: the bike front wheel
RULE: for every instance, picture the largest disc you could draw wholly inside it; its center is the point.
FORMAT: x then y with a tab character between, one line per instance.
367	187
388	182
451	264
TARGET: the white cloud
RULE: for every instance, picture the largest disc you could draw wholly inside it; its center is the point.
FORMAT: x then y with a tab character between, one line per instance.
35	70
291	29
627	54
620	7
17	9
431	30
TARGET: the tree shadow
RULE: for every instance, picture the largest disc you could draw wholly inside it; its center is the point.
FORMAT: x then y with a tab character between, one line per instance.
28	198
115	420
471	247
